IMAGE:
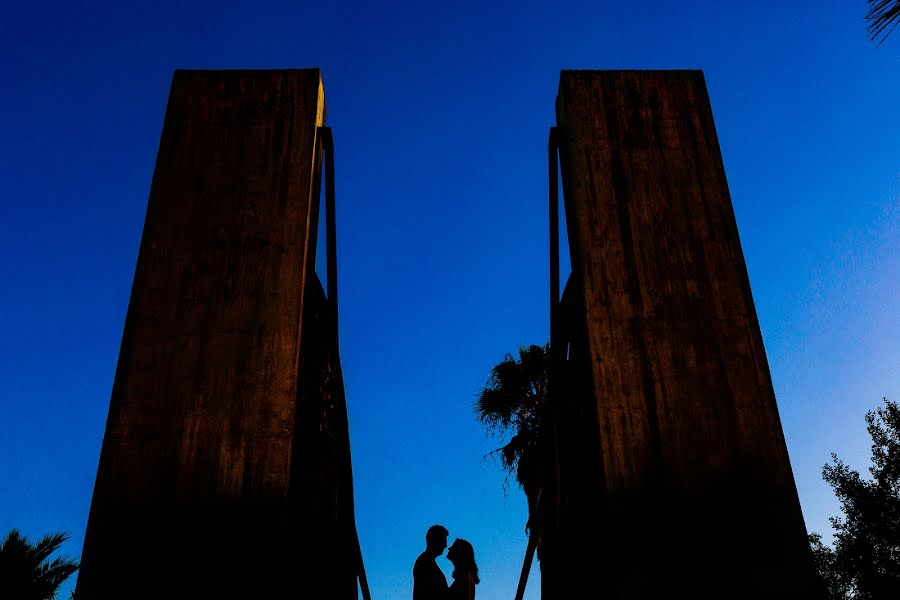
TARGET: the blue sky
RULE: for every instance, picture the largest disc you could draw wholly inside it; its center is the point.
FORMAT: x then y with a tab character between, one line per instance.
440	115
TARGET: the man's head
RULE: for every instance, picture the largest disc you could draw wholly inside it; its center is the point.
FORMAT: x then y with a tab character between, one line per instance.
436	539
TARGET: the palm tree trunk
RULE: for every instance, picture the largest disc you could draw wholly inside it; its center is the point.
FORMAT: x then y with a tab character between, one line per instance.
361	568
526	566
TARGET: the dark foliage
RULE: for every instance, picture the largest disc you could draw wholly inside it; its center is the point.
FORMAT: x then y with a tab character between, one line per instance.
883	17
26	573
865	561
512	404
826	562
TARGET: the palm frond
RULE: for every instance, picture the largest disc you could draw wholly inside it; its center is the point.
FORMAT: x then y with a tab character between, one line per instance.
491	457
52	575
496	408
14	543
47	545
512	403
883	18
508	375
24	570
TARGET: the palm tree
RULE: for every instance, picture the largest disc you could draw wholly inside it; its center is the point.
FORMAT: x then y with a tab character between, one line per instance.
26	574
883	17
513	402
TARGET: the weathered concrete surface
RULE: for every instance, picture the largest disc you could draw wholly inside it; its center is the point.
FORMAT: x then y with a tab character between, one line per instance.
325	554
192	491
674	477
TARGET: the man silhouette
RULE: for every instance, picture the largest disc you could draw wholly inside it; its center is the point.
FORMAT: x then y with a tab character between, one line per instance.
429	582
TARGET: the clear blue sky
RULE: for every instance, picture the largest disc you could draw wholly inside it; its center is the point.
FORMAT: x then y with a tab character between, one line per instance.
440	113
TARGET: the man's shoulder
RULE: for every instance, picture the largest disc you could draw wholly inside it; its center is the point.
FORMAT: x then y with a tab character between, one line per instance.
423	562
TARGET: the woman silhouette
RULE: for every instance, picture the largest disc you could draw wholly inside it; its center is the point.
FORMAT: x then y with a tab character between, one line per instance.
465	571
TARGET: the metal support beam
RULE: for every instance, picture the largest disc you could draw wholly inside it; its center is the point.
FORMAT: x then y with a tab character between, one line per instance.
330	226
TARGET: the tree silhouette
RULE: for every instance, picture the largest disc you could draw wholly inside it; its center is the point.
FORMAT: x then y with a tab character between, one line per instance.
512	403
26	574
883	17
865	561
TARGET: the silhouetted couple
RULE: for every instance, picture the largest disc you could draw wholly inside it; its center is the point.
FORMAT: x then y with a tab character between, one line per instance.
429	582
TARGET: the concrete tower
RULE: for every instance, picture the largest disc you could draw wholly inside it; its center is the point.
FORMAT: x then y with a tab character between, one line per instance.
668	474
225	466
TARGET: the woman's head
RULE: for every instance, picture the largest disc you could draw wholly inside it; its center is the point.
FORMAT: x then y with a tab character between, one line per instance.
462	555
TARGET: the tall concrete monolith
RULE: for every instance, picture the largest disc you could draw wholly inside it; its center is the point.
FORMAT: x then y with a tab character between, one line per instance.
668	473
225	465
